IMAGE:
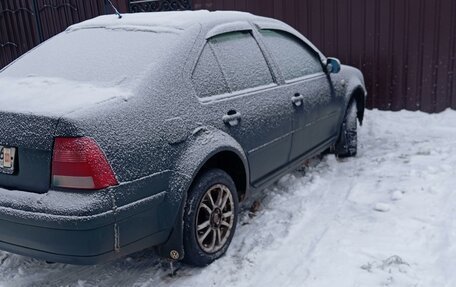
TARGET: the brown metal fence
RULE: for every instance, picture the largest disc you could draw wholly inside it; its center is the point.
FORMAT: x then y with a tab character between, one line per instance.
405	48
26	23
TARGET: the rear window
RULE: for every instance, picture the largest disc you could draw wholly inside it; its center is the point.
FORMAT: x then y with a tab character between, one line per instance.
95	55
208	78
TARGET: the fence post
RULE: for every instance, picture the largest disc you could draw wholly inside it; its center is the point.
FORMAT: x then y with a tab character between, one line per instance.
38	21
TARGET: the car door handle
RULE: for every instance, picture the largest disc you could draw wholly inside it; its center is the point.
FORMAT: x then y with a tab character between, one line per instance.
297	100
232	118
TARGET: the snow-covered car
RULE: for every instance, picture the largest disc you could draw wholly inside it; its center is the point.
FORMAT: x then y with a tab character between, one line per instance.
147	131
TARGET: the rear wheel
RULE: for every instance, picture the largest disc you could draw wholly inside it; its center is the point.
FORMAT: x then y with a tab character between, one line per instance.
210	217
347	145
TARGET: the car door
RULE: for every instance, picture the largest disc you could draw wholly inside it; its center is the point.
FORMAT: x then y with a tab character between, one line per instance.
235	85
308	85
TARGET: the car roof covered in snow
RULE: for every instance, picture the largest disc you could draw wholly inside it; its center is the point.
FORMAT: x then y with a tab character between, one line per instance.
211	23
166	21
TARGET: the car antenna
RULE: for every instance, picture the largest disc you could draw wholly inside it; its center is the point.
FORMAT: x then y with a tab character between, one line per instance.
115	9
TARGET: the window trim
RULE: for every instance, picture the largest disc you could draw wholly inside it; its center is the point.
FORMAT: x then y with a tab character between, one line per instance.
269	25
209	46
238	26
306	78
231	93
238	94
308	48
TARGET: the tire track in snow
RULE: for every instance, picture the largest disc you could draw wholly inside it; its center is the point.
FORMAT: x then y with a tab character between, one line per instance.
320	229
310	195
321	202
331	209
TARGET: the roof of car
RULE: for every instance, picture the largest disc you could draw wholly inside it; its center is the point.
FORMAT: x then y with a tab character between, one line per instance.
176	20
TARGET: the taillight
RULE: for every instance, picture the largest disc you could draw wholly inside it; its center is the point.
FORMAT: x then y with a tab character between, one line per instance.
79	163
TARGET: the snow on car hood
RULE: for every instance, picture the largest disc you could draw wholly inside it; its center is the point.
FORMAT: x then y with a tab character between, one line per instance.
53	96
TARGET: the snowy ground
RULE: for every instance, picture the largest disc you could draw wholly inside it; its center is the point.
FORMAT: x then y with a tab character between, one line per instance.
385	218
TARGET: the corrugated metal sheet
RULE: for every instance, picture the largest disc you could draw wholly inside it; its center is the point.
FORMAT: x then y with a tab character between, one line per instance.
136	6
18	31
56	15
26	23
405	48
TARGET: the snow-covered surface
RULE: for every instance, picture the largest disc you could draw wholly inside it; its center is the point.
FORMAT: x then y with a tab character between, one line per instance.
384	218
110	58
178	20
52	96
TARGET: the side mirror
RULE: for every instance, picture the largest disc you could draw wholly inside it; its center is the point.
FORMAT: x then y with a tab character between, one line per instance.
333	65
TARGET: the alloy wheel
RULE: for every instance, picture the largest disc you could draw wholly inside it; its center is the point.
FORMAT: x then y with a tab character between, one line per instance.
215	218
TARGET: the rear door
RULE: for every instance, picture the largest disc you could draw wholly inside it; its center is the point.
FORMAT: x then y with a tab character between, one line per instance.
306	82
238	90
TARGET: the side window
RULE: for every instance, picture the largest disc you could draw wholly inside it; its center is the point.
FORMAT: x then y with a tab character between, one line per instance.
208	77
294	58
241	60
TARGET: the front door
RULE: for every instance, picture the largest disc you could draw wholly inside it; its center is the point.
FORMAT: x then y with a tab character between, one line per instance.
308	85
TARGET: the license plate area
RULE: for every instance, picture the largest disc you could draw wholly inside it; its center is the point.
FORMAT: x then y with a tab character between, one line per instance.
7	159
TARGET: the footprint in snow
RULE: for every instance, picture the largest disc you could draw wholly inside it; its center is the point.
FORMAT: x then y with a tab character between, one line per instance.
382	207
393	262
397	195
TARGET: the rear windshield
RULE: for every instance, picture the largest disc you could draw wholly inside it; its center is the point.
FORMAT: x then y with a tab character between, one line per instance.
95	55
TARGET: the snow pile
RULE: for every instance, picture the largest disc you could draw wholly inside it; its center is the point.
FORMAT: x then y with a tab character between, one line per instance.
52	96
320	226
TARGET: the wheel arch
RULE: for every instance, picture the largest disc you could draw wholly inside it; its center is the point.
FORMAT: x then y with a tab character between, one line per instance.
358	94
222	152
354	88
208	147
230	162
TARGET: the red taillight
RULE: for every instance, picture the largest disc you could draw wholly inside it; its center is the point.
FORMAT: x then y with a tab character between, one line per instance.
79	163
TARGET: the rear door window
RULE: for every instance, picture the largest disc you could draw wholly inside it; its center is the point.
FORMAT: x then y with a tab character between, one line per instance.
241	60
207	77
294	57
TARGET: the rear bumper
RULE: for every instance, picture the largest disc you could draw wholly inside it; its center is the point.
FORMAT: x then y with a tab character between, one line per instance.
95	241
58	245
36	225
82	227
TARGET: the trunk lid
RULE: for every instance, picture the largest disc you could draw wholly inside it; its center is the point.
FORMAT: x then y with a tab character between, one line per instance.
32	137
31	109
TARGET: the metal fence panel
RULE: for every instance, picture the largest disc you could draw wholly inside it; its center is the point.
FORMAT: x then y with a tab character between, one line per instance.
158	5
26	23
56	15
18	29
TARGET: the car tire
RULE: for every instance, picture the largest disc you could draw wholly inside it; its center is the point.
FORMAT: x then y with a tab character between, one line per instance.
210	217
347	145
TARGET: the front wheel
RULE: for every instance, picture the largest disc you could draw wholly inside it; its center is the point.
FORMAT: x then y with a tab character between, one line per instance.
347	145
210	217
